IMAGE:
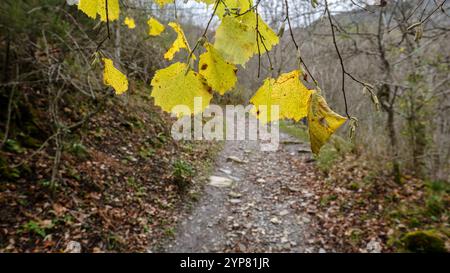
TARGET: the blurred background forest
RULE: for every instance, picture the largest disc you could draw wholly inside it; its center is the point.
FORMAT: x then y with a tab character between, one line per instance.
79	164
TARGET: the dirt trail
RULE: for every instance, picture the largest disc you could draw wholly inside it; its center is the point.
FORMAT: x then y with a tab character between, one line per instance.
264	209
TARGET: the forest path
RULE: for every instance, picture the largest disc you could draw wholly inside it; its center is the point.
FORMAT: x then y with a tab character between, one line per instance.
255	201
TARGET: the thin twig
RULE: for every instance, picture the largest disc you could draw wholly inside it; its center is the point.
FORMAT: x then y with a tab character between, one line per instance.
341	61
340	58
204	32
257	42
361	7
431	13
295	43
107	28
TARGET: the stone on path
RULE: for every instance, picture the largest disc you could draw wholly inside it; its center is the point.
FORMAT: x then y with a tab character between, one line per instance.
73	247
234	194
219	181
236	159
225	171
275	221
284	212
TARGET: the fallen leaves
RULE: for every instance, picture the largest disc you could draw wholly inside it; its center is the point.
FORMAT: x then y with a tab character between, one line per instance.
104	202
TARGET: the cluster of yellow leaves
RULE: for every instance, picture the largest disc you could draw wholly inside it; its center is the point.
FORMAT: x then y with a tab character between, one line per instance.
295	102
93	7
114	78
237	39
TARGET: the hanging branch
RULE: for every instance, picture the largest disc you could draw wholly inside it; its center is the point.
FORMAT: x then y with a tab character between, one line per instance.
203	37
361	7
432	12
295	43
257	42
341	61
175	11
108	36
260	39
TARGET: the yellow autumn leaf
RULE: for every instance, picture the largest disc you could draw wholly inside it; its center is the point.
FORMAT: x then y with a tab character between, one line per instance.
155	28
129	22
172	87
269	37
89	7
179	43
322	122
164	2
288	92
113	10
93	7
235	40
236	37
220	74
114	78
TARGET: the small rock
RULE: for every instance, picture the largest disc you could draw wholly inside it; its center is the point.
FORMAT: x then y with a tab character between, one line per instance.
374	246
225	171
287	246
73	247
303	150
306	220
220	182
260	180
236	159
234	194
311	210
307	195
275	221
321	250
235	201
284	212
294	189
234	178
242	247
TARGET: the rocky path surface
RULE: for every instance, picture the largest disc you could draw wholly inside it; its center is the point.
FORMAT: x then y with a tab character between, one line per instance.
255	201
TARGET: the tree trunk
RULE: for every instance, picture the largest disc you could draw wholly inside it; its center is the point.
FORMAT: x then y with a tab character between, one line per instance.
117	43
394	144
